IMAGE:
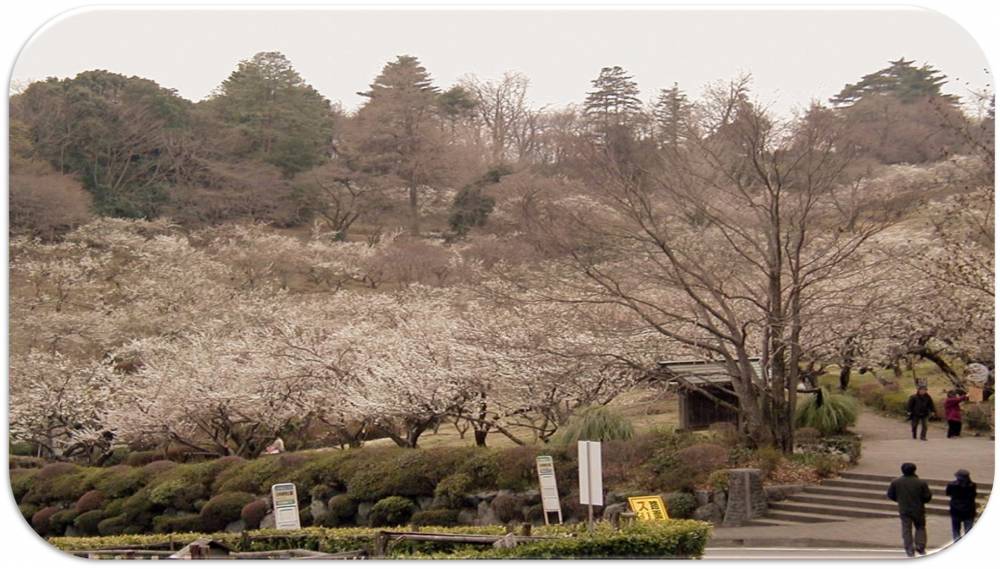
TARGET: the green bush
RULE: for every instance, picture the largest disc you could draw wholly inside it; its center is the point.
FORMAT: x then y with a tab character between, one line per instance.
978	417
391	511
516	468
120	481
768	460
40	520
62	520
703	457
439	517
114	526
482	469
28	510
178	493
452	491
719	480
21	482
91	500
507	508
253	513
223	509
251	476
667	539
838	412
86	523
340	511
596	424
306	516
680	505
178	523
144	457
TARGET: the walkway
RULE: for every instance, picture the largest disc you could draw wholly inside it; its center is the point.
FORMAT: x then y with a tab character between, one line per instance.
886	443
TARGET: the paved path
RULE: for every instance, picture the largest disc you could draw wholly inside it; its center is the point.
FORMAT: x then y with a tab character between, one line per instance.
803	553
886	443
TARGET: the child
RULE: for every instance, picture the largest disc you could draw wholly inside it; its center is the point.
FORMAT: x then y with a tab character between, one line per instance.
953	412
962	506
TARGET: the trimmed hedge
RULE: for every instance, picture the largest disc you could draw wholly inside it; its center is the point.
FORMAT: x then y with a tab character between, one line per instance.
177	523
253	513
391	511
340	511
224	509
440	517
87	522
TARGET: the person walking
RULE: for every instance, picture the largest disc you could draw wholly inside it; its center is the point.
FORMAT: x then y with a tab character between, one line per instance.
953	412
920	407
962	504
911	494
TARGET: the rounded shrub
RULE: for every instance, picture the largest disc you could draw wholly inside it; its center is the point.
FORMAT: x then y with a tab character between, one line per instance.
91	500
516	468
224	509
86	523
439	517
719	480
28	510
340	511
120	481
116	525
391	511
143	457
253	513
40	520
248	476
596	424
178	493
768	460
21	482
507	508
680	505
481	468
703	457
62	520
179	523
452	491
978	417
837	412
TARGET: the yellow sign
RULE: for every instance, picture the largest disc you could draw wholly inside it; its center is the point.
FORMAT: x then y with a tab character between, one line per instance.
648	508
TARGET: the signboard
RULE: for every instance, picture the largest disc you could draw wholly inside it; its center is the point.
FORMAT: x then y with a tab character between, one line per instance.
286	506
547	485
591	477
648	508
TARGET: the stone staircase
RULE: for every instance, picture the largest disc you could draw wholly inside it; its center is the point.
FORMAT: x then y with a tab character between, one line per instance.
853	495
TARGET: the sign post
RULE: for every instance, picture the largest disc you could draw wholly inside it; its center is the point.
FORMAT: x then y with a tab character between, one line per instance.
648	508
547	485
286	506
591	477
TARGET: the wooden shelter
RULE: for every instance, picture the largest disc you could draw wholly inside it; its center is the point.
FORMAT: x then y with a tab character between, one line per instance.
700	386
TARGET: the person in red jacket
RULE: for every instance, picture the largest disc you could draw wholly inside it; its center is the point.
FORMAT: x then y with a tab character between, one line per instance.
953	412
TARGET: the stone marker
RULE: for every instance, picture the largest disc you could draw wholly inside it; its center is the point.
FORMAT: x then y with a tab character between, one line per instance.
746	497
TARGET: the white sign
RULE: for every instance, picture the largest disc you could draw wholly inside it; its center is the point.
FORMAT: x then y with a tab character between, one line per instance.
547	485
286	506
591	477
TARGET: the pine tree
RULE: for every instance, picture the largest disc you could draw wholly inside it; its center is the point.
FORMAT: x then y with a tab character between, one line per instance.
901	79
614	102
672	113
283	120
398	130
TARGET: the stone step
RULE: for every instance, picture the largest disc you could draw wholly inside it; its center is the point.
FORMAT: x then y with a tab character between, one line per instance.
793	518
768	521
870	494
883	504
873	486
829	510
864	476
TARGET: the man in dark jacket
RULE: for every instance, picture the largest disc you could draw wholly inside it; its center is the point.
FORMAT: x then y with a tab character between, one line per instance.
920	406
911	493
962	503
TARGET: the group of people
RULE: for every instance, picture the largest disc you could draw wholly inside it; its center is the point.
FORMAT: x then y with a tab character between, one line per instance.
912	494
920	408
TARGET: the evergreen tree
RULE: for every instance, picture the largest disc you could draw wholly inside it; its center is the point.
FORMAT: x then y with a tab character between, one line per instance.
614	102
281	119
672	113
397	132
901	79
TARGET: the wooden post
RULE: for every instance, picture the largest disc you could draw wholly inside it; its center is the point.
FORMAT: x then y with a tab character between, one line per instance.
381	544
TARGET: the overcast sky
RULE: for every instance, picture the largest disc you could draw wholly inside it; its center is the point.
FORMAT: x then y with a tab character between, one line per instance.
794	56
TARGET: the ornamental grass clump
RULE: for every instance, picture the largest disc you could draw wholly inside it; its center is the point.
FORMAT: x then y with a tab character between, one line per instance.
830	416
597	424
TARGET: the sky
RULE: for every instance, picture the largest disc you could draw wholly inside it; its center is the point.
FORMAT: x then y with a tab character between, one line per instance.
794	56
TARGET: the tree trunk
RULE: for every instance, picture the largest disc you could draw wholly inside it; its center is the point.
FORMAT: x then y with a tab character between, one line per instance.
414	211
480	437
845	377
